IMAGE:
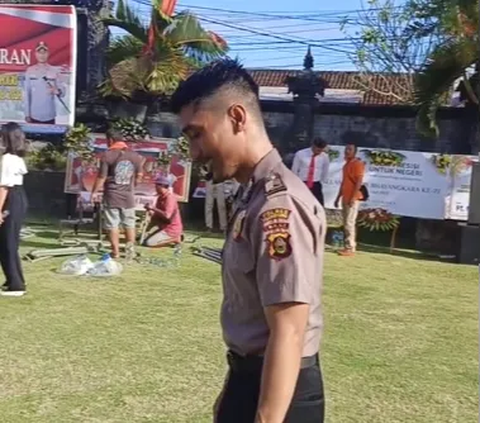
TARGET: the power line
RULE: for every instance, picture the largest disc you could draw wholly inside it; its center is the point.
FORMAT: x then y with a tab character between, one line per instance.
245	32
286	14
275	36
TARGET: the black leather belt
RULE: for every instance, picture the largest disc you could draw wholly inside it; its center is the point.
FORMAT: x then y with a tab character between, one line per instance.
254	363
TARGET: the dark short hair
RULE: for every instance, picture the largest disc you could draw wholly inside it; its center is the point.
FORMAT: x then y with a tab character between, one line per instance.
222	74
14	139
319	143
353	145
114	134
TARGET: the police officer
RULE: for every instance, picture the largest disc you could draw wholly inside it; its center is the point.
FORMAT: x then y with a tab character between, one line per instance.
42	85
272	259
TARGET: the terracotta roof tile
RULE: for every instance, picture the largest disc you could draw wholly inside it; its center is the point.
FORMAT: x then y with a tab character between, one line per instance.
388	88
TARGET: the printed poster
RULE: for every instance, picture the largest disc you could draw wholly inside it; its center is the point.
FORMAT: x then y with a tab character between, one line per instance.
80	177
459	192
37	66
404	183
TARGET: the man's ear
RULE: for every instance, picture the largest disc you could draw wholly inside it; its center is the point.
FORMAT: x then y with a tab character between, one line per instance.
238	117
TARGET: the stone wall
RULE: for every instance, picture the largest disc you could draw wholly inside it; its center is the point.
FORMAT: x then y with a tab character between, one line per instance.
397	133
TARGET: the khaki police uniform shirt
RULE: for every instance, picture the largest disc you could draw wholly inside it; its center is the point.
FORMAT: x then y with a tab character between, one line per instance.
273	254
38	98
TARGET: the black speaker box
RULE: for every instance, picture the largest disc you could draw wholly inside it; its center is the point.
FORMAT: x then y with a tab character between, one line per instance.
474	205
469	244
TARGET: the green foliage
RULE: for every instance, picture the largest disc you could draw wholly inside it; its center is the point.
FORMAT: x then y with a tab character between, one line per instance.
446	64
386	43
78	140
132	129
180	44
180	148
333	154
50	157
451	60
384	158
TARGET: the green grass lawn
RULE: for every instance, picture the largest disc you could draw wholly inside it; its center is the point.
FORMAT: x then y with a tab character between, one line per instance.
400	343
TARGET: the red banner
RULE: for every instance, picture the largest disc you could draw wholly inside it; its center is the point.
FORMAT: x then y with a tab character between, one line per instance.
80	176
37	65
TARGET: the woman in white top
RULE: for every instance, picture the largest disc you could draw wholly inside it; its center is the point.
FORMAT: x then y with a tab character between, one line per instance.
13	207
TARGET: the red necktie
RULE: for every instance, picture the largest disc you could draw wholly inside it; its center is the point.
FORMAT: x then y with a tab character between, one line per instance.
311	172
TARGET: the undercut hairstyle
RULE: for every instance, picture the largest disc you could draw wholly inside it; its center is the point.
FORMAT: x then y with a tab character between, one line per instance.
226	76
319	143
14	140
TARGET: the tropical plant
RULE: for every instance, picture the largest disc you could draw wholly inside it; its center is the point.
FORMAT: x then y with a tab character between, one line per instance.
154	59
451	60
78	141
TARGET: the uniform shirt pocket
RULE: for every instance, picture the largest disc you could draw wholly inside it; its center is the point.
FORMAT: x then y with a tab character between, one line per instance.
238	255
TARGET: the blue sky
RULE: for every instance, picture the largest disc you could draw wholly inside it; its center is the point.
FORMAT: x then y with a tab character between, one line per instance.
275	34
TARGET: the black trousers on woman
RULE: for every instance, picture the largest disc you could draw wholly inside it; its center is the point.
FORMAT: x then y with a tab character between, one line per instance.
16	205
239	399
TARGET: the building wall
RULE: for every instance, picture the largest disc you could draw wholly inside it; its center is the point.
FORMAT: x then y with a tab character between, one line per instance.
397	133
375	132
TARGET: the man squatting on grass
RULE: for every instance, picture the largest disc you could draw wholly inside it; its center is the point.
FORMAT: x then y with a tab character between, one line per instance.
272	259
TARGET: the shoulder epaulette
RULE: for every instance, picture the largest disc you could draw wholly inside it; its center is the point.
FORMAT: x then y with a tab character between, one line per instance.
274	184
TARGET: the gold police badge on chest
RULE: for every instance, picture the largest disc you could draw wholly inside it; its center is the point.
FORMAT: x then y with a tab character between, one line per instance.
238	225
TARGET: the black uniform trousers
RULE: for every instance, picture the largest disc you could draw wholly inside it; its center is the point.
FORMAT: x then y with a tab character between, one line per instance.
317	191
16	205
239	399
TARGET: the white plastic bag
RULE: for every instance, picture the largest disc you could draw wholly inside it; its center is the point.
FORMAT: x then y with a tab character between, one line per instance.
105	267
76	266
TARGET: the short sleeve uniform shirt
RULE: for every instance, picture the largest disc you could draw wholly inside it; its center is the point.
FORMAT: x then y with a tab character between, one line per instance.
273	254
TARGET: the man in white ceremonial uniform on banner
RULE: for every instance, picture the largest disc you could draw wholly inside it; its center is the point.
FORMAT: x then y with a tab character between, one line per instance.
42	84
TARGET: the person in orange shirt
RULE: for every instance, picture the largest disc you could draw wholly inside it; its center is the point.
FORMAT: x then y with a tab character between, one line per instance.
351	195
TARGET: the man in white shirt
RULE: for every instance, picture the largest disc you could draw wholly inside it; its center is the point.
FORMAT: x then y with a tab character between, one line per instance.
311	166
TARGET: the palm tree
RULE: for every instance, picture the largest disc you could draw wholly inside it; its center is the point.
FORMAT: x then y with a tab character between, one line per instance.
450	61
152	60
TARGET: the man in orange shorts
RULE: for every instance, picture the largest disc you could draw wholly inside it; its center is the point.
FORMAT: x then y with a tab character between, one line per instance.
351	195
